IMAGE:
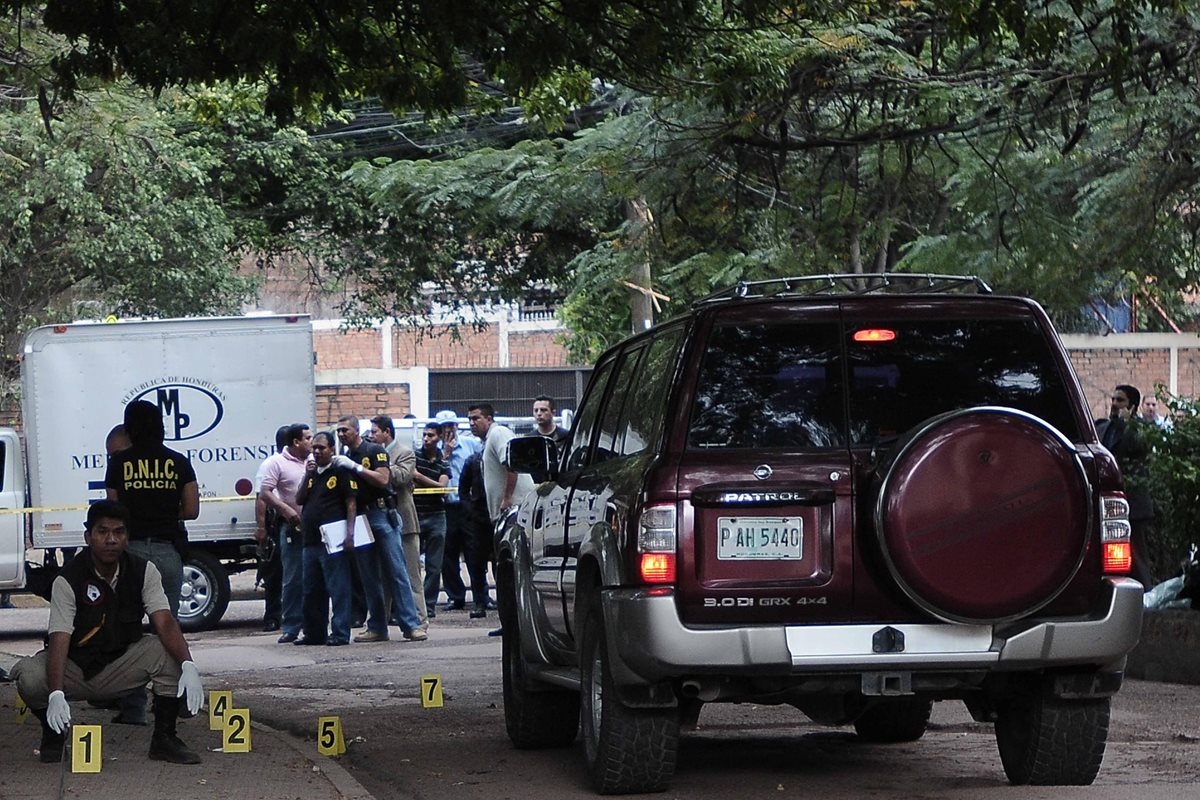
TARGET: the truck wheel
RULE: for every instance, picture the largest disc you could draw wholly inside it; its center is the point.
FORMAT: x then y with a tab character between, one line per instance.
1045	741
205	593
627	750
534	719
901	719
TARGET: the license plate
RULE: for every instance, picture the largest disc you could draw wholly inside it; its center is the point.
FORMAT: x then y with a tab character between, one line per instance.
760	538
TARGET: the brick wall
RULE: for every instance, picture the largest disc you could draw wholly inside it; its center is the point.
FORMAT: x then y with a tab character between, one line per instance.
348	350
495	345
437	348
1143	360
536	349
363	400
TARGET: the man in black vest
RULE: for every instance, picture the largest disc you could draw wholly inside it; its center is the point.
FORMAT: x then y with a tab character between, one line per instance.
97	650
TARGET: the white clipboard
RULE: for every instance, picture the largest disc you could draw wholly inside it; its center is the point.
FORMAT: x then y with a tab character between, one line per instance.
333	534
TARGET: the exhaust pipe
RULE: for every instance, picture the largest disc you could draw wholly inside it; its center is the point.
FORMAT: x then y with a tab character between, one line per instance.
705	691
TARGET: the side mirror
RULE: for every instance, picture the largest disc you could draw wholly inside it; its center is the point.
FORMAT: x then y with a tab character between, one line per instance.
536	455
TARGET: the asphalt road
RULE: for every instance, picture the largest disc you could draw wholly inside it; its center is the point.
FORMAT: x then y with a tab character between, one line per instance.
399	748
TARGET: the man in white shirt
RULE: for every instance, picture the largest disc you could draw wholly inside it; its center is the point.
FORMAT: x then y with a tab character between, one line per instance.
503	486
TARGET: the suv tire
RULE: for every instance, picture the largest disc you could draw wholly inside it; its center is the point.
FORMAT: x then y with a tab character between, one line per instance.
1046	741
534	719
900	720
628	750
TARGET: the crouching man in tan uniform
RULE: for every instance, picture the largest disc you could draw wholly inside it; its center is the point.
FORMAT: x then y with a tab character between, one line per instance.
97	650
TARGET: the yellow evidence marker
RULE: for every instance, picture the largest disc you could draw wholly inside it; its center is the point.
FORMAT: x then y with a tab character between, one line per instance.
330	740
236	736
86	752
218	703
22	710
431	691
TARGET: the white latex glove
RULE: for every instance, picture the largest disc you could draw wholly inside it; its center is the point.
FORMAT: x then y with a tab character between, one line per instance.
345	462
189	684
58	713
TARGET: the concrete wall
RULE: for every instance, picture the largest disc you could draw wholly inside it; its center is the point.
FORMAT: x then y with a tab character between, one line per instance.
1169	649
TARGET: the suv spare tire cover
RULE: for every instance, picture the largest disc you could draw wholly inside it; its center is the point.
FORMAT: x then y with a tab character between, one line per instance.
983	514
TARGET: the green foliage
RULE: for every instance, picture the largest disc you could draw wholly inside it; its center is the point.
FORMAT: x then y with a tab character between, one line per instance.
1174	479
1048	148
118	203
427	54
110	215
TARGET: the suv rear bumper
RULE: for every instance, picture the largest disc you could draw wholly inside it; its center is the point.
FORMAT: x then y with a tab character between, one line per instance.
652	644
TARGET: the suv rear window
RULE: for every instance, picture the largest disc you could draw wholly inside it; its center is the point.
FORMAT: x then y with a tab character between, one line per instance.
779	384
935	366
770	384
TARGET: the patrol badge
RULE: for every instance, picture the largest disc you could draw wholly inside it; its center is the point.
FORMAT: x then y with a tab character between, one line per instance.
332	482
93	593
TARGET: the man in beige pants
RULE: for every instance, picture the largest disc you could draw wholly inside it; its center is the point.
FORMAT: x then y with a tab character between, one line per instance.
403	466
97	650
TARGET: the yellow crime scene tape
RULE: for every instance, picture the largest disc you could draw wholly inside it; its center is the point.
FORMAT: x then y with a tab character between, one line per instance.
46	509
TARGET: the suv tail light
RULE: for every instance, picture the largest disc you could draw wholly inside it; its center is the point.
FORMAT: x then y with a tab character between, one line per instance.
1114	536
656	544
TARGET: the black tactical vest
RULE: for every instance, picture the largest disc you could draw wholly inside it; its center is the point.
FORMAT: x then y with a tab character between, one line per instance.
107	620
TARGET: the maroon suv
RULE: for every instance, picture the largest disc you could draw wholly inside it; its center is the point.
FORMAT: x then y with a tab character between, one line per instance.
854	497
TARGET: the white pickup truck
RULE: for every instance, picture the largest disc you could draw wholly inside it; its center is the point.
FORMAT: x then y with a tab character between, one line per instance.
224	384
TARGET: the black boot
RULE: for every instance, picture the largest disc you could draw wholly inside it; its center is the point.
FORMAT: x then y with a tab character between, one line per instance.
164	744
133	709
51	749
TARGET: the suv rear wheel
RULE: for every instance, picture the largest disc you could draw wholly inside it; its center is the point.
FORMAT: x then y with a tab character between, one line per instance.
627	749
1046	741
902	719
533	719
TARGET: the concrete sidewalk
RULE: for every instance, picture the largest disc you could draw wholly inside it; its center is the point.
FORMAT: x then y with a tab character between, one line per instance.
279	766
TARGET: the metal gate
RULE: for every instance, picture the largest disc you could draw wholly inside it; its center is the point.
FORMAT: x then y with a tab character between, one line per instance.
510	391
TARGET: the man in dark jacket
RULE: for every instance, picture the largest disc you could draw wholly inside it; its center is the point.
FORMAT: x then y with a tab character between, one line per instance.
97	650
1121	435
479	531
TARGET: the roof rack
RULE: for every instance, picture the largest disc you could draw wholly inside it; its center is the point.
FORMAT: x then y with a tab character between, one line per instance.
851	284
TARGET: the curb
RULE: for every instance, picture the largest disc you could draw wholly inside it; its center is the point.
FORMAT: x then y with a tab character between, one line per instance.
335	773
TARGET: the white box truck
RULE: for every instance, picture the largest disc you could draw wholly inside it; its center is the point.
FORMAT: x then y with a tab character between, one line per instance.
224	384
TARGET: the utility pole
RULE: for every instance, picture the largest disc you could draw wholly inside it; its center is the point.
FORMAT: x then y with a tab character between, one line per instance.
641	302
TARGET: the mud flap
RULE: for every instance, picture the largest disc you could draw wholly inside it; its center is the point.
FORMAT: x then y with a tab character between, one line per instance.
1086	685
653	695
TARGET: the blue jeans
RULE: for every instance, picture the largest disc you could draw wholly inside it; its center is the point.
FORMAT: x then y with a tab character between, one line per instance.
326	580
390	552
370	572
170	566
433	543
291	594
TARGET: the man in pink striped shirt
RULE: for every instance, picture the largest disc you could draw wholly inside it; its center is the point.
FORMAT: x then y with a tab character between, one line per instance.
282	475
